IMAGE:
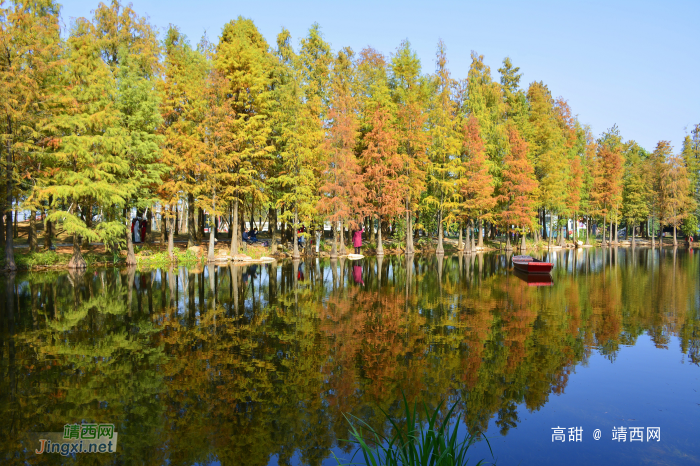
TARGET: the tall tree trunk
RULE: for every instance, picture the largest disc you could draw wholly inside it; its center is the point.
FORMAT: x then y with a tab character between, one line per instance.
508	246
317	235
611	232
234	228
473	248
149	225
2	217
380	246
171	235
33	240
617	228
177	219
163	227
604	220
633	233
48	228
440	249
543	216
241	226
551	226
651	233
334	242
343	250
77	261
523	243
200	227
409	229
561	240
272	227
211	255
252	212
130	256
9	185
460	246
480	227
468	241
191	225
295	255
284	226
675	240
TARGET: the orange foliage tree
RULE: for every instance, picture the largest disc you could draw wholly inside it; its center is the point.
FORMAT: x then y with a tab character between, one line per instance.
476	184
383	170
519	188
343	193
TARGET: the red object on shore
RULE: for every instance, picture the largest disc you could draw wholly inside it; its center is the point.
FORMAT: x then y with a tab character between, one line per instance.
530	265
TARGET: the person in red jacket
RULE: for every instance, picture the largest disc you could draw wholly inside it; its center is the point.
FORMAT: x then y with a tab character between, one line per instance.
357	239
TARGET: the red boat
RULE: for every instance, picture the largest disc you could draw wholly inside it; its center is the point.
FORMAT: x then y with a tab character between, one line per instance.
530	265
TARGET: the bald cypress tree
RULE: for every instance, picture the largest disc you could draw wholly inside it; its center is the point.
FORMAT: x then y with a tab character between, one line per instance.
343	193
445	164
239	121
110	155
476	183
547	145
635	191
91	159
519	188
409	92
182	107
299	133
31	66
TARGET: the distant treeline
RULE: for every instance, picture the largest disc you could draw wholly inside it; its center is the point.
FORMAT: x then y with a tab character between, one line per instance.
109	118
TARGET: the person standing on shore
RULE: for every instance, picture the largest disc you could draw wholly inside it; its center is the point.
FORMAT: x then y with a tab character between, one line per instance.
137	231
357	239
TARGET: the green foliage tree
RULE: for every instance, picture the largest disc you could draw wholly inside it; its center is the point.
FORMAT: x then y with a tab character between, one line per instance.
183	106
547	146
300	136
635	192
409	91
31	64
445	164
239	121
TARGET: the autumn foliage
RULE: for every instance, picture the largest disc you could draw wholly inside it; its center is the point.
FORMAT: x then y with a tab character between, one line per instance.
109	122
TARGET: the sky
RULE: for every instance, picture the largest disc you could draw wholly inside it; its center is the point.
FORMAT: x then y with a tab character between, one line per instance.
631	63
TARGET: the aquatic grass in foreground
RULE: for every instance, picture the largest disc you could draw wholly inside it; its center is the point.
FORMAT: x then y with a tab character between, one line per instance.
414	445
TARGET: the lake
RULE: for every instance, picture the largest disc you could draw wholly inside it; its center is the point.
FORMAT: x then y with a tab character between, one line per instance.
263	364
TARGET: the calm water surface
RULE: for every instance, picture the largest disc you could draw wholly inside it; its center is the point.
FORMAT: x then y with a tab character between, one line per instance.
257	365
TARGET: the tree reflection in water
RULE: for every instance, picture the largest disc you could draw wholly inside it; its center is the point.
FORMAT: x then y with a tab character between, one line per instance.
232	362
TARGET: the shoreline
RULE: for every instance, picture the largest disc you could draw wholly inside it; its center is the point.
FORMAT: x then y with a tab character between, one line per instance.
153	255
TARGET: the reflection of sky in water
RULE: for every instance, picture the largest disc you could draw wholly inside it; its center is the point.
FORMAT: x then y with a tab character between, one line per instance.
301	342
644	387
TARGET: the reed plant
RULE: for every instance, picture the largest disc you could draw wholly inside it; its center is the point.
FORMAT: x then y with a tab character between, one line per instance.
413	443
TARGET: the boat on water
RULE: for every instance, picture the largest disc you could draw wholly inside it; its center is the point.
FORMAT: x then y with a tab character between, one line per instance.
528	264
